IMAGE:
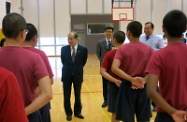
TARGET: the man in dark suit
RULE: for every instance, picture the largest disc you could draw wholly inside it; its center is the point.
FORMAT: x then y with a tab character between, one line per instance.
103	46
74	57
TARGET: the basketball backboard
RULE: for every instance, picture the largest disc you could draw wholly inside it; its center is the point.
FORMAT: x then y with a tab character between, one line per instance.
122	14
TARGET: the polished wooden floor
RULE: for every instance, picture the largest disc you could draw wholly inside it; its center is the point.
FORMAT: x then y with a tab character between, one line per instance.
91	94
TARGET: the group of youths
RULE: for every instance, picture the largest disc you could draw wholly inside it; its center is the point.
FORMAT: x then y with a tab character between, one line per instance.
26	75
135	70
28	81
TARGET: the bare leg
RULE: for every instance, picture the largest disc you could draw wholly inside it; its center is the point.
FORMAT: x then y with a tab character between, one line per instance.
113	118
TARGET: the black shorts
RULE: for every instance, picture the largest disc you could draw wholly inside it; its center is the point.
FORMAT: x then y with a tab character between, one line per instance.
112	97
35	117
131	102
163	117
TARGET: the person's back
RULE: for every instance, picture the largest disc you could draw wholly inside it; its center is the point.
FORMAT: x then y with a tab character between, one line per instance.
169	67
105	71
25	69
172	60
29	44
27	66
11	103
129	64
134	53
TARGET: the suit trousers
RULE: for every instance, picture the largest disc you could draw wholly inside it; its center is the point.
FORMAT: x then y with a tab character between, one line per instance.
105	89
67	96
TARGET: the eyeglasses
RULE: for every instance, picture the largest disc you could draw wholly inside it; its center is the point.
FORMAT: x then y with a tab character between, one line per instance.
26	31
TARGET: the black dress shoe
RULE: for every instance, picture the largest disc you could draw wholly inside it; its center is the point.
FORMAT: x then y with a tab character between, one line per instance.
79	116
69	118
104	104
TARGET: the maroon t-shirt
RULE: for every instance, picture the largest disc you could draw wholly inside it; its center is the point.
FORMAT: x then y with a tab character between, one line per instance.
170	65
107	62
134	58
28	67
11	102
44	57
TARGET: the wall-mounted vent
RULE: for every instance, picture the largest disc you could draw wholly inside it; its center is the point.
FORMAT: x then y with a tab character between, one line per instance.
8	6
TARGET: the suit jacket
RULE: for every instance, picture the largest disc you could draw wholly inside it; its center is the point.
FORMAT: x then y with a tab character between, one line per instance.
101	49
73	68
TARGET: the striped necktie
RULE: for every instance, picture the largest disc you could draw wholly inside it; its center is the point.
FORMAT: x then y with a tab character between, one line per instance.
109	45
73	54
147	38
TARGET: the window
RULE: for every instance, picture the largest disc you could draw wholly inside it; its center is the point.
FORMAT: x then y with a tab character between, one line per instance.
97	28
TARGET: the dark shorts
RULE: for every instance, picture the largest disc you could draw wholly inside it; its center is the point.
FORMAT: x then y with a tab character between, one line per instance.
35	117
45	113
112	97
131	102
163	117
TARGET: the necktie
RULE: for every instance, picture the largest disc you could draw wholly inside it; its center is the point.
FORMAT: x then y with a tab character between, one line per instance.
73	54
109	45
147	37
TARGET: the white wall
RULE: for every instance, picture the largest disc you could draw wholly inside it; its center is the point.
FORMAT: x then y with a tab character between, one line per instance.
3	12
62	17
30	11
15	6
78	6
158	13
145	10
95	6
52	17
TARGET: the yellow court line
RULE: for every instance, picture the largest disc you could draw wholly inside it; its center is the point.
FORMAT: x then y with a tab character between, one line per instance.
96	102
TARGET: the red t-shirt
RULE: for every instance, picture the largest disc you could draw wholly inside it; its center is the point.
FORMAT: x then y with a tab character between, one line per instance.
134	58
28	67
44	57
170	65
11	102
107	62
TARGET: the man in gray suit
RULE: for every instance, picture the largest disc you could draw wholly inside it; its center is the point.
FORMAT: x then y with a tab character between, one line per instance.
102	47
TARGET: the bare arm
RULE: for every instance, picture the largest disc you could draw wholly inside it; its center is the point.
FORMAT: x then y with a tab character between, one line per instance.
37	91
44	97
137	81
152	82
106	75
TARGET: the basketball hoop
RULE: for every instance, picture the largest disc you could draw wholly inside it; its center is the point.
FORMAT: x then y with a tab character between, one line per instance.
123	19
122	14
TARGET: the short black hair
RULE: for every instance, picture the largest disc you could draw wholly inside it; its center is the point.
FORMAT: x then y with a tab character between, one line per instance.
12	24
135	28
32	32
119	36
2	42
175	23
76	35
109	27
152	25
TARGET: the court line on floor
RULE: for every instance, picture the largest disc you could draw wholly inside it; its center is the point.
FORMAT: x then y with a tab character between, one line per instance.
96	102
